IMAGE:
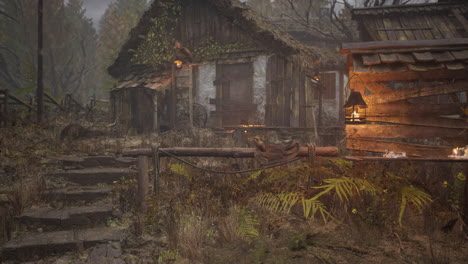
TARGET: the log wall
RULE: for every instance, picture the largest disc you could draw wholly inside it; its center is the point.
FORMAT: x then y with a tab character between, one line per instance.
424	115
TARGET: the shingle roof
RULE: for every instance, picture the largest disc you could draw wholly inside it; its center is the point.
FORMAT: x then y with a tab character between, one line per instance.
414	22
240	14
146	78
428	55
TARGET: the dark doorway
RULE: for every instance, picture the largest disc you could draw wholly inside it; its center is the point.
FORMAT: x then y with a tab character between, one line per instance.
234	88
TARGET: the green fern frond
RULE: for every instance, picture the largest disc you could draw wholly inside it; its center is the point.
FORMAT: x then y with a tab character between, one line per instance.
282	202
179	169
311	206
248	224
346	187
412	195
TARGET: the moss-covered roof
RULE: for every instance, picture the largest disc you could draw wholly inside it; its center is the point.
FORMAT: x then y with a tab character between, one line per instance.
275	40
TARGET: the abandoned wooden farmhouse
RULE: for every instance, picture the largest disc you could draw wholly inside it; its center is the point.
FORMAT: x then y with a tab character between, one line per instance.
266	78
411	70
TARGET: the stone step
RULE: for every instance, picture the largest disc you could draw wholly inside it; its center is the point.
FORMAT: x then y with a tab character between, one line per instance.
93	176
66	218
74	194
96	161
37	245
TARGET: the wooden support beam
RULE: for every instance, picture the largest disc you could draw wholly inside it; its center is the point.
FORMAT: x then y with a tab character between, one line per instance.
53	101
430	75
423	121
142	193
381	146
403	131
21	102
447	88
396	109
224	152
348	47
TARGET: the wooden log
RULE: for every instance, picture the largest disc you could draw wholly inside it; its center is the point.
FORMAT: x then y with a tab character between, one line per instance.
53	101
407	109
21	102
347	47
380	146
430	75
426	159
142	193
465	203
423	121
417	92
403	131
223	152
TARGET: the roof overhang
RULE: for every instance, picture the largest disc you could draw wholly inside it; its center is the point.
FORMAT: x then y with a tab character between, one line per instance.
378	57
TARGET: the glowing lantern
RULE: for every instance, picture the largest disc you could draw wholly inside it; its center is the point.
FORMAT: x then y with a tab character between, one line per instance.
355	109
178	64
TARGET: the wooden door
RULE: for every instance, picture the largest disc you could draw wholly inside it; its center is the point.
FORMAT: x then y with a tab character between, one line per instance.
234	93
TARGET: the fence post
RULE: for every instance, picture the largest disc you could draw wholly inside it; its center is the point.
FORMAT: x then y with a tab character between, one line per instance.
465	200
155	148
143	183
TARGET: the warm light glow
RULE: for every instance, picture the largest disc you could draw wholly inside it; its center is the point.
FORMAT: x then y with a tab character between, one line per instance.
355	114
317	78
178	63
252	125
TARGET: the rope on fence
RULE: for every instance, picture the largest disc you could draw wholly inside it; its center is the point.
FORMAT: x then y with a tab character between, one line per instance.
229	172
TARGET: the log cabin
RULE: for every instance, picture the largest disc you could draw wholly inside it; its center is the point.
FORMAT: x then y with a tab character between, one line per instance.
265	78
411	68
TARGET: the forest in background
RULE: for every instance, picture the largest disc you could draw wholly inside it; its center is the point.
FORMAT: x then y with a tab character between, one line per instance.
76	55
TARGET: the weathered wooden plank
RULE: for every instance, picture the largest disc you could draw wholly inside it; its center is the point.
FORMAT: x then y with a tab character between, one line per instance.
434	121
442	56
381	146
427	159
406	57
455	66
403	131
388	57
347	47
371	59
358	64
417	92
423	56
460	55
413	110
419	67
430	75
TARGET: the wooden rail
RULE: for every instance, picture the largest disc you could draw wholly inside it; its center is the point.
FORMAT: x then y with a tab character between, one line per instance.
224	152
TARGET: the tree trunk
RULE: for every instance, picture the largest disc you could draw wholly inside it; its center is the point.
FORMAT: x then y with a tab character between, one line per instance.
40	69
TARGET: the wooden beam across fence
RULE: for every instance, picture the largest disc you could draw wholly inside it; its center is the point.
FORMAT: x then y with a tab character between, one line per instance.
223	152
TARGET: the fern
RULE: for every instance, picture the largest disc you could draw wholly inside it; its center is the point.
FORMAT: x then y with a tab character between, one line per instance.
311	206
179	169
412	195
283	202
247	226
346	187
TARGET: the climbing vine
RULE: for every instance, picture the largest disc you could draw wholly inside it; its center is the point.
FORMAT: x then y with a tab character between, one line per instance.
211	49
158	45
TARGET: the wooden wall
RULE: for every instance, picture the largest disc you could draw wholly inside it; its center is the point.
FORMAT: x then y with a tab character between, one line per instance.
407	112
286	97
131	109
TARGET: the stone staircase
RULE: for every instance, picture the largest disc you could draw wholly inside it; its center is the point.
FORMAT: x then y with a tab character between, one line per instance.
77	209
